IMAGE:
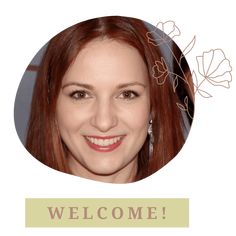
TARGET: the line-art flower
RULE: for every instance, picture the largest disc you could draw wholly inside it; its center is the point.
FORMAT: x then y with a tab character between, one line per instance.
215	67
160	71
167	31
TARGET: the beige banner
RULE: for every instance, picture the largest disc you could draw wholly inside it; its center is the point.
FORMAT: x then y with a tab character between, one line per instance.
106	212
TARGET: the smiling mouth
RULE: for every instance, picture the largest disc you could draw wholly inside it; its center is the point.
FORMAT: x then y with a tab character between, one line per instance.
104	144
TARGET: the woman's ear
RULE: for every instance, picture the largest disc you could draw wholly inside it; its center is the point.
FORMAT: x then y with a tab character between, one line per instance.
151	115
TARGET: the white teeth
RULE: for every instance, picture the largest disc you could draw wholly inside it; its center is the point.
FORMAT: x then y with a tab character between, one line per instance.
103	142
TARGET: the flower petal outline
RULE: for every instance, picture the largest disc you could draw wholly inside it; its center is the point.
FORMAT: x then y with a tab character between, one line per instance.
164	32
169	28
215	67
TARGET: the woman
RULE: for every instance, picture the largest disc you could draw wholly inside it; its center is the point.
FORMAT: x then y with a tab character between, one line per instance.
98	112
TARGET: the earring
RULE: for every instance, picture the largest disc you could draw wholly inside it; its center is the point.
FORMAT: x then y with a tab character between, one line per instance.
151	137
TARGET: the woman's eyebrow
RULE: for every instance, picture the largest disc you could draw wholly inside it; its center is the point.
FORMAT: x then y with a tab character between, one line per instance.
90	87
120	86
87	86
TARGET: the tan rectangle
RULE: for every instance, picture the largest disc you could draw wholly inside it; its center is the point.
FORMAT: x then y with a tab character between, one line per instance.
106	212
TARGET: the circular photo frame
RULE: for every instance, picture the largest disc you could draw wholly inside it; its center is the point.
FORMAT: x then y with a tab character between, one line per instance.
109	99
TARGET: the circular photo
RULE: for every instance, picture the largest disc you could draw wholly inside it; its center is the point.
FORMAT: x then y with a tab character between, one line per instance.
109	99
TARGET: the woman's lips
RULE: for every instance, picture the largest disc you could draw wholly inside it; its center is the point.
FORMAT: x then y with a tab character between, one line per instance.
104	144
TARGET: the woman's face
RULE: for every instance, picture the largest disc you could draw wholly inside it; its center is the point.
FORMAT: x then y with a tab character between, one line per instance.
103	111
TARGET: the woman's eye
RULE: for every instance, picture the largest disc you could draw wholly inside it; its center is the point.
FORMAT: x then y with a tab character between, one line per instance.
79	95
129	94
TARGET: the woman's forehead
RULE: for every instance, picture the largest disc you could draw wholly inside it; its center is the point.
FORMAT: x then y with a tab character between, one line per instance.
107	58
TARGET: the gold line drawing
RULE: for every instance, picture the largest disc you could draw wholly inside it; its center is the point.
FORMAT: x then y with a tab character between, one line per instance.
169	30
212	66
215	68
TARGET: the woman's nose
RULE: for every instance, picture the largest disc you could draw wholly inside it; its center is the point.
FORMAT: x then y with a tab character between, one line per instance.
104	117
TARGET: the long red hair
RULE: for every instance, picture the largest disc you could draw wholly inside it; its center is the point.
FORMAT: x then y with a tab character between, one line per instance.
43	138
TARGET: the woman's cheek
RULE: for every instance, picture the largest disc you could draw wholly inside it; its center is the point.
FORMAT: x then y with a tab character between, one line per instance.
136	117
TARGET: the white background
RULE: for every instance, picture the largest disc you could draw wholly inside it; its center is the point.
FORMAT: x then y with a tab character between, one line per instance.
204	170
